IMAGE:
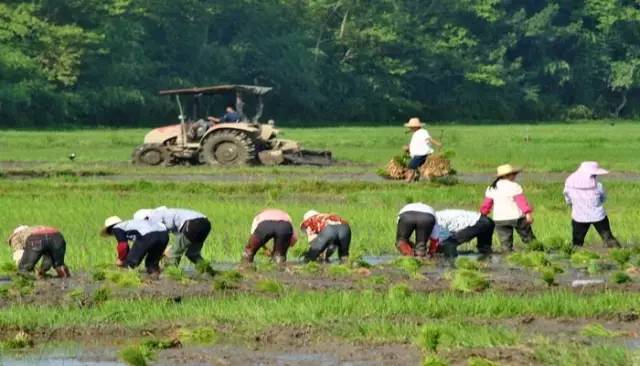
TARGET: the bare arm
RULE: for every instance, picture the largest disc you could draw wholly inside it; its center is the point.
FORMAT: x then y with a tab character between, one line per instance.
434	141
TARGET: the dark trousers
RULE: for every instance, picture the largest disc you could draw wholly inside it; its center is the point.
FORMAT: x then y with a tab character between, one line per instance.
505	229
330	237
196	232
603	227
419	222
37	246
281	233
150	247
482	230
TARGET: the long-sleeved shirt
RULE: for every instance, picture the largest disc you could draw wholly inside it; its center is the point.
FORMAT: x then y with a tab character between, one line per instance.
133	230
173	218
586	201
272	214
507	200
456	220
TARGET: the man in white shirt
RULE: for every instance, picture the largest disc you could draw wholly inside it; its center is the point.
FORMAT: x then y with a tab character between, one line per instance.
420	147
461	226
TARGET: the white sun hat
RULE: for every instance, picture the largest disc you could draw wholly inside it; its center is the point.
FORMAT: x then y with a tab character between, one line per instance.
142	214
507	169
309	214
414	123
16	231
108	223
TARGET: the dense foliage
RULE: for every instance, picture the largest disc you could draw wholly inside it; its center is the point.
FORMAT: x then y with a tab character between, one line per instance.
102	61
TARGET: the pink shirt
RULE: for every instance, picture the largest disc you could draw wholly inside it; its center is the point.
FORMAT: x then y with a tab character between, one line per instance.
586	197
272	214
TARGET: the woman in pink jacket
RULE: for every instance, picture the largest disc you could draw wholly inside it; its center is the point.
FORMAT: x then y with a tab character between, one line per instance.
511	210
586	196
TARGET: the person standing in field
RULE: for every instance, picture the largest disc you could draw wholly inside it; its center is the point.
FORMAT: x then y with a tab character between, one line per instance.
420	147
32	243
149	242
326	233
419	218
461	226
586	197
270	224
511	210
191	229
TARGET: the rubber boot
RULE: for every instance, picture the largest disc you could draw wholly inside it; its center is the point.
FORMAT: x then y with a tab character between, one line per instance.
405	248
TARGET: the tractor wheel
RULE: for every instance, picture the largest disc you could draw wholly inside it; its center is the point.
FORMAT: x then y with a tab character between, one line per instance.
150	154
228	148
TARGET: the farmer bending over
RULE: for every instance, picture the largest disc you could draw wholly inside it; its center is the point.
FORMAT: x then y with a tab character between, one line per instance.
30	243
420	148
149	242
190	227
461	226
325	233
270	224
421	219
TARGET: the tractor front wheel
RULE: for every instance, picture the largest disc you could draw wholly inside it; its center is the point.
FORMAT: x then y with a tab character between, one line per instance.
228	148
150	154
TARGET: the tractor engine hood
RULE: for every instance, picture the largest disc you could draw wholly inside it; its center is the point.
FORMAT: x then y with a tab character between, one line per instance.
162	134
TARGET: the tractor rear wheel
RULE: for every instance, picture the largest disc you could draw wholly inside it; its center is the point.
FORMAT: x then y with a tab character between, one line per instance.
229	148
150	154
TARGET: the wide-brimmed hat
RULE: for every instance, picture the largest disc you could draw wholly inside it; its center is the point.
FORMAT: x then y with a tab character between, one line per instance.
108	223
142	214
16	231
507	169
592	168
309	214
414	123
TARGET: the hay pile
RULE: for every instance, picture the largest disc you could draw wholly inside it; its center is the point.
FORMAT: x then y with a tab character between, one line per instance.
436	166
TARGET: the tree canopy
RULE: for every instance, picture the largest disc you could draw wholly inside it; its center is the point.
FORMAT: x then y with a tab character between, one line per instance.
101	62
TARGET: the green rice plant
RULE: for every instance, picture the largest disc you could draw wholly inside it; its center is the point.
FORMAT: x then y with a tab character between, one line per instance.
529	259
198	335
597	330
269	286
433	360
76	295
159	344
174	272
479	361
552	352
558	244
339	270
4	291
465	280
410	265
594	266
98	275
19	341
227	280
22	285
310	268
399	292
374	280
8	268
619	277
429	338
129	278
266	266
536	246
621	256
467	263
101	294
134	355
204	266
548	276
581	258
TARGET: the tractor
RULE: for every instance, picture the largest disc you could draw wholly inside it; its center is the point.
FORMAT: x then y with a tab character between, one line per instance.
198	139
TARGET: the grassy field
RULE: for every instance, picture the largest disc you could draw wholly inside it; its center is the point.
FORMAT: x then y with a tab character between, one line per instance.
514	321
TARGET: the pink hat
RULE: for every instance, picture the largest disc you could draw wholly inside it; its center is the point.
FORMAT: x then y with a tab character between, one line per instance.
591	168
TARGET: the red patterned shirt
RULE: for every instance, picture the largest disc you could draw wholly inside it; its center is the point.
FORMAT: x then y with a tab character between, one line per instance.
315	224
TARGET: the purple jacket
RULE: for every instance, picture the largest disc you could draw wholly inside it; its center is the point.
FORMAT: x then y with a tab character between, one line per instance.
586	197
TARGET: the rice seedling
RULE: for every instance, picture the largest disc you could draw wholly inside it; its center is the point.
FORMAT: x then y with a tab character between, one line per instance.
309	268
548	276
597	330
467	263
620	255
205	267
433	360
374	280
339	270
134	355
619	277
410	265
429	338
174	273
399	292
529	259
582	257
8	268
227	280
269	286
124	277
19	341
465	280
200	335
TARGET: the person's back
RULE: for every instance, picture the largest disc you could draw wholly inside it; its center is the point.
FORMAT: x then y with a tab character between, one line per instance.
173	218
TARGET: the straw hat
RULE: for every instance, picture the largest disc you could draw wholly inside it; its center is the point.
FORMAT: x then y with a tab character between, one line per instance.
309	214
414	123
507	169
142	214
592	168
108	223
16	231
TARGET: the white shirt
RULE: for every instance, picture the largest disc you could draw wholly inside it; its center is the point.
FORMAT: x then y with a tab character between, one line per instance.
504	204
451	221
419	146
421	207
